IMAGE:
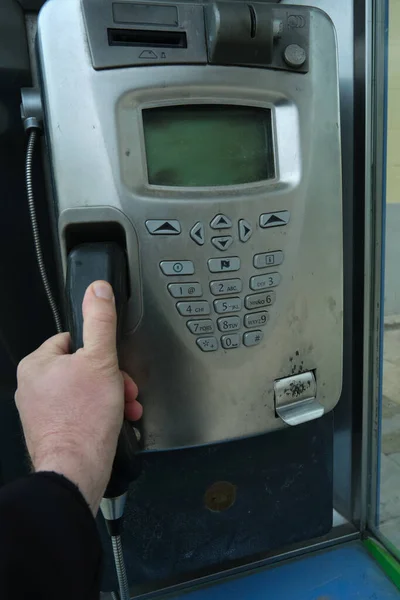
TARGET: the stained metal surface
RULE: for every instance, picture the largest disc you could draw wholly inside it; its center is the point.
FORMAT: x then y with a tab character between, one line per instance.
231	392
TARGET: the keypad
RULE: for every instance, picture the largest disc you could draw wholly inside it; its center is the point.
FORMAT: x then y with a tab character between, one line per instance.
185	290
228	305
207	344
230	341
259	300
226	286
263	282
220	265
233	329
252	338
228	323
177	267
268	259
190	309
200	326
257	319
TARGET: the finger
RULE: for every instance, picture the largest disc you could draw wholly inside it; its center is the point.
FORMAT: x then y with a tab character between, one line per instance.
100	322
55	346
133	408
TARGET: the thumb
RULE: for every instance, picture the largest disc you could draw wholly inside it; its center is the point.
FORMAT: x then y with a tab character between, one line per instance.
100	322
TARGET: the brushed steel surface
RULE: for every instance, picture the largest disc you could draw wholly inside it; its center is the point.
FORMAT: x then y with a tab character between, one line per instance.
94	132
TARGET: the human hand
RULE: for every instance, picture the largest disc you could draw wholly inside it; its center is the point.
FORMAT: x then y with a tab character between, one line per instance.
72	405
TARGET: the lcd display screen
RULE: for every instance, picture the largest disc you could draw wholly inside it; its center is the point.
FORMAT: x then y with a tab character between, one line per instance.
208	145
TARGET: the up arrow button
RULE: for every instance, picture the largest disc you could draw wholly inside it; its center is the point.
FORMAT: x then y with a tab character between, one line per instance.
275	219
221	222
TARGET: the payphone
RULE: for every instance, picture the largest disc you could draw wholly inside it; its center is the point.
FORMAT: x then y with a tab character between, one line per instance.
203	139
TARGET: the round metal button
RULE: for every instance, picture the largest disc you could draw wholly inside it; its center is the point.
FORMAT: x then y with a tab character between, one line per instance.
294	55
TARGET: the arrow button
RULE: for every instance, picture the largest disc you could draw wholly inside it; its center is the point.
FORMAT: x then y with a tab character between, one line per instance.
197	233
245	230
163	226
223	242
275	219
221	222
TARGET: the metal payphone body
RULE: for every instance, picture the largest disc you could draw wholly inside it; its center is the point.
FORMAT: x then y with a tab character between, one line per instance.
220	169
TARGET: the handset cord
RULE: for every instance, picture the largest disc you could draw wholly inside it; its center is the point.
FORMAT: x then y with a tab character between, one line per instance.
120	569
33	133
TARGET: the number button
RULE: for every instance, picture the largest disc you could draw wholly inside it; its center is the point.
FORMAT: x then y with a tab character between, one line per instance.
230	341
182	290
226	286
228	323
268	259
262	282
257	319
201	326
252	338
228	305
177	267
189	309
259	300
207	344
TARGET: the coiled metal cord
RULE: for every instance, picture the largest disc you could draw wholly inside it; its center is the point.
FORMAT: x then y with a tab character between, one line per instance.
35	230
120	568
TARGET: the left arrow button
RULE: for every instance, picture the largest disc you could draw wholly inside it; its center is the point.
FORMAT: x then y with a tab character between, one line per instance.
197	233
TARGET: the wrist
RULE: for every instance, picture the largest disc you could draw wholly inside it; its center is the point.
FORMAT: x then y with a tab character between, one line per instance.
73	468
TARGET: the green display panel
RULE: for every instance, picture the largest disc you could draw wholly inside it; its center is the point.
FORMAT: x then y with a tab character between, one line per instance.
208	145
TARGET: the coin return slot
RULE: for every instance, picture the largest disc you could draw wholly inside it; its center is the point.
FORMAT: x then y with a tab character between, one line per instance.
147	38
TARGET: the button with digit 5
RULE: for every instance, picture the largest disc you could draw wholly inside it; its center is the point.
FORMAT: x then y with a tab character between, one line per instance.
228	305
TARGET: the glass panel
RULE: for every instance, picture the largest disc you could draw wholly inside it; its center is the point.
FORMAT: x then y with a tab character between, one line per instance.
208	145
388	509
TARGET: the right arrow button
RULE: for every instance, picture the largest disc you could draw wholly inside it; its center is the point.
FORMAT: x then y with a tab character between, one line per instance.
245	230
275	219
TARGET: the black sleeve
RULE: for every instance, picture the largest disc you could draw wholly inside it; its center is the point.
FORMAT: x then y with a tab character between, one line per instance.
49	544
